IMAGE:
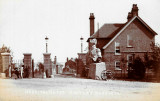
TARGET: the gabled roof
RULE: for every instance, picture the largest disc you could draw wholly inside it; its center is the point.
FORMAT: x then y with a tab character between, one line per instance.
154	33
107	31
125	26
102	42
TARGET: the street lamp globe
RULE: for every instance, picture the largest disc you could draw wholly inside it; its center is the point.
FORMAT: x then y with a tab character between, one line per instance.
81	38
81	44
46	39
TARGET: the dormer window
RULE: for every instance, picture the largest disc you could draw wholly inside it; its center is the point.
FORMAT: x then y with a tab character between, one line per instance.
129	41
117	48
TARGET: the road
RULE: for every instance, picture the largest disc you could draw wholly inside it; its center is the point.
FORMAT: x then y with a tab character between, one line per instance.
77	89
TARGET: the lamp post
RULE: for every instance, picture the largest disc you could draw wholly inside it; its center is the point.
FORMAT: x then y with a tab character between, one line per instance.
81	44
46	44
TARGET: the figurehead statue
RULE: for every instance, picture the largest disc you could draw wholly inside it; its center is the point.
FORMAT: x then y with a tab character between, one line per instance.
95	53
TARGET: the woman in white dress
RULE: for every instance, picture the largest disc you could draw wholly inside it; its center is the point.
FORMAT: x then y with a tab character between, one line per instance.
21	69
10	71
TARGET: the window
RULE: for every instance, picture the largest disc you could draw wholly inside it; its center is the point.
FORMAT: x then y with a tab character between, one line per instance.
117	48
130	59
117	65
129	41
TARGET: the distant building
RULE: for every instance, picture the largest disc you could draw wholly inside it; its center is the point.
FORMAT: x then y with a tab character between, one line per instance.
123	40
70	66
57	67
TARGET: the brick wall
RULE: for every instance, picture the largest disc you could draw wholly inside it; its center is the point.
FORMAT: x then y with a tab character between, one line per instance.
142	38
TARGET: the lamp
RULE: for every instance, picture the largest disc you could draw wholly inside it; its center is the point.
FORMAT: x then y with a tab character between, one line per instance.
46	44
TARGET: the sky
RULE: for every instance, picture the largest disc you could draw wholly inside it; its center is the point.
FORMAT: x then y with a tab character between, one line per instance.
24	24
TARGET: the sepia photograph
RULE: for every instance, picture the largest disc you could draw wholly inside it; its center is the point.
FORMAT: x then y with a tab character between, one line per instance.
79	50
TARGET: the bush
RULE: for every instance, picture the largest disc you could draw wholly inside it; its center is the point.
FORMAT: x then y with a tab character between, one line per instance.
138	68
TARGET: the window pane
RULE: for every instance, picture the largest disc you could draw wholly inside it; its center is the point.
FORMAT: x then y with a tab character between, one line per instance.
117	65
130	41
117	44
117	47
130	58
117	51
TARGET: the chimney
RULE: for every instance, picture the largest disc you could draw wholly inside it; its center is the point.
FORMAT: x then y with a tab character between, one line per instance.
91	18
134	10
129	16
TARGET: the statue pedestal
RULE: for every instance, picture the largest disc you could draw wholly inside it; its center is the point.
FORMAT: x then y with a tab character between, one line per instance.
3	75
95	70
52	76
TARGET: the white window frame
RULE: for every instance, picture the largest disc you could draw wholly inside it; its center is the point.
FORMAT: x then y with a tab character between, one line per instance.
116	49
128	38
119	65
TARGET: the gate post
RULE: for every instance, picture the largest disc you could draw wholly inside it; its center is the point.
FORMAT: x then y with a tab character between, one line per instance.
28	63
6	61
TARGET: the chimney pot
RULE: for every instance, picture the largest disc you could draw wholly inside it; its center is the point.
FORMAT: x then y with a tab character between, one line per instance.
134	10
129	16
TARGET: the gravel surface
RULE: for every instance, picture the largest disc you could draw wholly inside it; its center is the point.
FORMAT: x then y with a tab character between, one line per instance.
76	89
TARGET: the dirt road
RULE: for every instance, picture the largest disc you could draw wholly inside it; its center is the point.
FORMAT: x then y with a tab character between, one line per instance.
76	89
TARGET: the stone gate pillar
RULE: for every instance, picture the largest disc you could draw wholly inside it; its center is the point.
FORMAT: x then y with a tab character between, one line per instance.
6	61
28	62
47	64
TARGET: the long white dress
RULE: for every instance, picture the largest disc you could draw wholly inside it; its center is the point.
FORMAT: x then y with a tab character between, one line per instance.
10	71
21	72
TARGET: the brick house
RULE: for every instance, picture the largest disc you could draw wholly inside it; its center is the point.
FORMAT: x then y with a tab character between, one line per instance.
123	40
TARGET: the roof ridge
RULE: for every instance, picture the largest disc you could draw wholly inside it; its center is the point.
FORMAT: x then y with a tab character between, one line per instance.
147	25
124	27
114	23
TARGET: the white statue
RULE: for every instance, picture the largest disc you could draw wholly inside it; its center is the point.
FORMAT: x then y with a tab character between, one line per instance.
93	41
95	52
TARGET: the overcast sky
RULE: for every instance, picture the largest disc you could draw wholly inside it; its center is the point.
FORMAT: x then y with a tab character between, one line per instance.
24	24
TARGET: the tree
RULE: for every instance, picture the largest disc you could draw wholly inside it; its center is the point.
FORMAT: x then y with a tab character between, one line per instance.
41	67
147	61
138	68
5	49
155	58
36	71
